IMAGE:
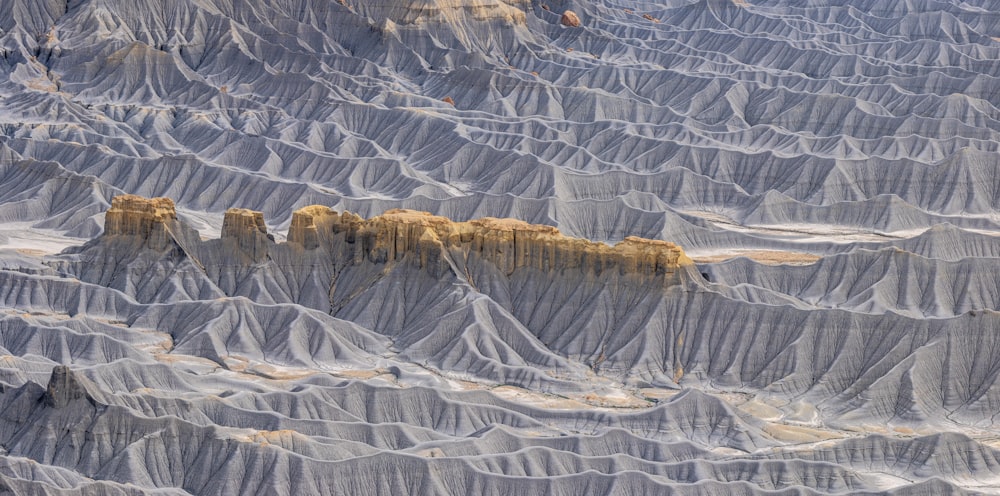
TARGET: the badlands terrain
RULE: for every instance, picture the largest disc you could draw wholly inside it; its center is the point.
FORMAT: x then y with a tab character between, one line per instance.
396	247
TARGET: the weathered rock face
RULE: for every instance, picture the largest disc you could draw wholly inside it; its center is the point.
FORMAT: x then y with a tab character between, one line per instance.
569	18
308	222
246	229
144	218
146	243
443	11
506	243
427	240
65	386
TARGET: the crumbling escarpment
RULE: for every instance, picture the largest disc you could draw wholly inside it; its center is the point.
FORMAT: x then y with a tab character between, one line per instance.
332	260
508	244
149	220
397	236
443	11
246	229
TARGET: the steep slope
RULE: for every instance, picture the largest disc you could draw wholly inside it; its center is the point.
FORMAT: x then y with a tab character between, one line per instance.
889	280
429	343
447	294
508	302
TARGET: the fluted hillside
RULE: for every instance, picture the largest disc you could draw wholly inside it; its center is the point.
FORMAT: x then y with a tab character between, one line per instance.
418	344
435	247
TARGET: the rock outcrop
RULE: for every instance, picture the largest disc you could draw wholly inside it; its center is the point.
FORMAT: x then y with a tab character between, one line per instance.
147	219
508	244
145	245
428	240
247	231
308	222
570	19
443	11
66	386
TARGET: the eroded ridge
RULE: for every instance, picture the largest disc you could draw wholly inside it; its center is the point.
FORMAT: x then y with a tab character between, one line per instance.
427	240
145	218
443	11
247	230
507	243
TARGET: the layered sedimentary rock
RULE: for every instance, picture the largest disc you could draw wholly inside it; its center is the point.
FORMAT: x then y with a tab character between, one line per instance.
64	387
148	220
442	11
246	229
323	365
145	250
569	18
375	271
508	244
308	221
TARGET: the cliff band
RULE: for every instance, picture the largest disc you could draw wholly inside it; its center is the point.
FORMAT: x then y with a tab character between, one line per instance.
507	243
430	241
146	219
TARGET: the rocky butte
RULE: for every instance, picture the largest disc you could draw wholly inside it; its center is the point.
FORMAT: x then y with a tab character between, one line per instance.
246	229
508	244
431	242
150	220
450	11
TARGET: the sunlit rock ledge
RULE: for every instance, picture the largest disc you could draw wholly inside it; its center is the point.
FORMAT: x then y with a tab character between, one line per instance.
433	241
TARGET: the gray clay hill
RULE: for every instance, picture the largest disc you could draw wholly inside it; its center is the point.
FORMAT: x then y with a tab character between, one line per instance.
499	247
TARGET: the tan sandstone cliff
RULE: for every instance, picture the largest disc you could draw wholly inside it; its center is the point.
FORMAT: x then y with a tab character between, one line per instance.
442	11
507	243
246	230
419	237
147	219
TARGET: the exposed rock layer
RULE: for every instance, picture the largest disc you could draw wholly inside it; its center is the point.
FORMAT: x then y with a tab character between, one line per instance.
721	125
442	11
507	243
569	18
148	220
430	240
65	387
247	230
